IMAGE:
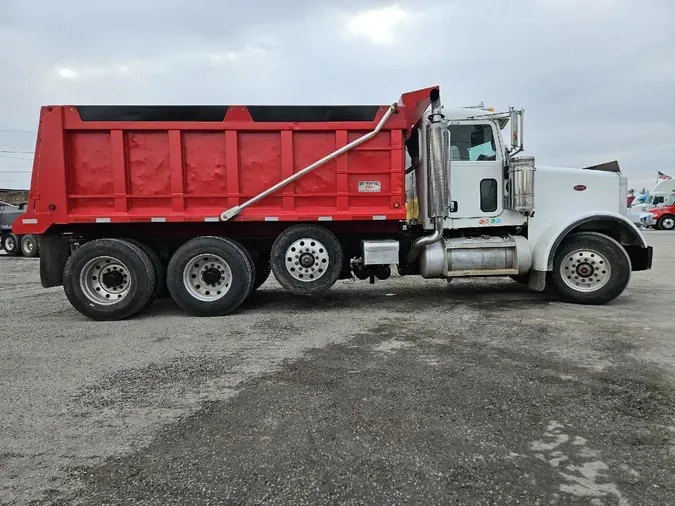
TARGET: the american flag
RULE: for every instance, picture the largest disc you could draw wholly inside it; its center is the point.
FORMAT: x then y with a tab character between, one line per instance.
663	176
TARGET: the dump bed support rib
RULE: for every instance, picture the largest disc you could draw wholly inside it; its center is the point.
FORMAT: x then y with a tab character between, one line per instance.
234	211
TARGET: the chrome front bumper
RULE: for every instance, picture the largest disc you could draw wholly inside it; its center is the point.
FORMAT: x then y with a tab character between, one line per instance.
646	219
641	218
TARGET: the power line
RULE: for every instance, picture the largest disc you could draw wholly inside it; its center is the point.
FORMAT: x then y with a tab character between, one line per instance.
17	131
16	152
16	157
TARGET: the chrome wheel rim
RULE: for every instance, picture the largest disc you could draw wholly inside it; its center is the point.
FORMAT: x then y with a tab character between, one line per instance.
9	244
105	280
207	277
307	260
585	270
669	223
28	246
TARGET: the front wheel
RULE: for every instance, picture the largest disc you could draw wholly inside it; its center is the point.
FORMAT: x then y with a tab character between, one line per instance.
666	222
590	268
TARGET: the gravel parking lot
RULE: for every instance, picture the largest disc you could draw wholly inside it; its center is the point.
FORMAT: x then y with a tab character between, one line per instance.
417	391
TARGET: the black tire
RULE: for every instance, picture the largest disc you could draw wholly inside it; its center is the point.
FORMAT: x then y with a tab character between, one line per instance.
586	252
238	261
11	243
141	275
30	245
666	222
249	259
263	269
158	266
327	260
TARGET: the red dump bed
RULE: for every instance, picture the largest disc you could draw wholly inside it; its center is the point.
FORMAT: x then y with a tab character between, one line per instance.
122	164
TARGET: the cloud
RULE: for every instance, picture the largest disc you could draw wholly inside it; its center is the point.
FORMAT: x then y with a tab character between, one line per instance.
379	25
596	78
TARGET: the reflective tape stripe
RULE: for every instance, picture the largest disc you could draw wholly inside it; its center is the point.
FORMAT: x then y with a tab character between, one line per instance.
325	218
210	218
158	220
271	218
29	221
102	220
379	217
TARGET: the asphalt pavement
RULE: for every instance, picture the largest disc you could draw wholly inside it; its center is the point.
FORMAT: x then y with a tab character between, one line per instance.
404	392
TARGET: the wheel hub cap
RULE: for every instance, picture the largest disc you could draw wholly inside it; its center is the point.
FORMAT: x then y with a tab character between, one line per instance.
207	277
211	276
668	223
112	279
105	280
585	270
307	260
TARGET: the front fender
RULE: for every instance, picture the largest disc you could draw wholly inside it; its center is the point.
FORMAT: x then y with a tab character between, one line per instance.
543	251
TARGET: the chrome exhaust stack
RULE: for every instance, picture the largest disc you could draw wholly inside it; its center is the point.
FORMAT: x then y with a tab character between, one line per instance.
438	176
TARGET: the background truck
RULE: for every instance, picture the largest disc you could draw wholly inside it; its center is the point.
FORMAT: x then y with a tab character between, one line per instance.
208	200
661	217
12	244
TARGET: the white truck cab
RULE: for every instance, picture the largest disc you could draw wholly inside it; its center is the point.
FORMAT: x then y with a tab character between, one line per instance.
494	213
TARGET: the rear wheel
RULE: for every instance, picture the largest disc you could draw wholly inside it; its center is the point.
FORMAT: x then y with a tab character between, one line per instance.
158	266
11	244
108	279
666	222
307	259
263	269
30	246
210	276
590	268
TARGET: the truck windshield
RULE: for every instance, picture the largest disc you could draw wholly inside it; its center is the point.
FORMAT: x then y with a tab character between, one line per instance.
472	143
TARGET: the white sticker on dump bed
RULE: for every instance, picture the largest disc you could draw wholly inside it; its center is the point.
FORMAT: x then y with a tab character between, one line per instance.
370	186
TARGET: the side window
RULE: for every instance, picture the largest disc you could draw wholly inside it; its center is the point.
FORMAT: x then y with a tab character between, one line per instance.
658	200
472	143
488	195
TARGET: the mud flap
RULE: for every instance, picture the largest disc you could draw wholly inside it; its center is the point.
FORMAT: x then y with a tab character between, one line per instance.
54	252
537	280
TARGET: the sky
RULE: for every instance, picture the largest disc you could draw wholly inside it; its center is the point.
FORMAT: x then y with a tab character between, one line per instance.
596	77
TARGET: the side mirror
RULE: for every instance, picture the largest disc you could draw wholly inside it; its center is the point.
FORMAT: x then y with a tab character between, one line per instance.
515	135
517	127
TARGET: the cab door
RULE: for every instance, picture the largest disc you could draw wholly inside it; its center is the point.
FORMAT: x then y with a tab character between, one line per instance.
476	168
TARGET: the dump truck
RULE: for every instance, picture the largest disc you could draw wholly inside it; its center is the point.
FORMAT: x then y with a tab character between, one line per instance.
13	245
203	203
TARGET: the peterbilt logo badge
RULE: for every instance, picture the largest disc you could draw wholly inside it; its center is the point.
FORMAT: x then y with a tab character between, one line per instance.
580	187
